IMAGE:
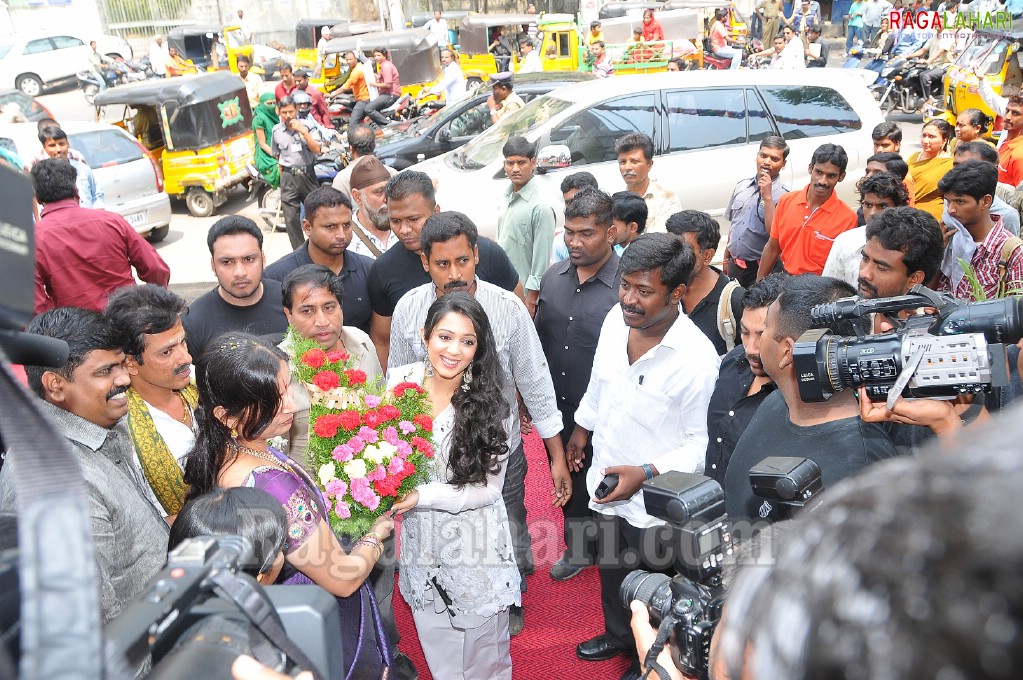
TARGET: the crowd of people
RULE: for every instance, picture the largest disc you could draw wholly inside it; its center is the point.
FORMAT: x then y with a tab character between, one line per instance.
618	342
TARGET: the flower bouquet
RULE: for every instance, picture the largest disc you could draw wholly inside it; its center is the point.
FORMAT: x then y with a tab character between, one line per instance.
368	445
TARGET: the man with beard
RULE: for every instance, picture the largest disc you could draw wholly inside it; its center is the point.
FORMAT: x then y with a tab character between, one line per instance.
830	433
1010	147
372	228
362	142
328	230
450	255
742	383
575	294
85	402
162	398
807	221
243	300
903	248
646	407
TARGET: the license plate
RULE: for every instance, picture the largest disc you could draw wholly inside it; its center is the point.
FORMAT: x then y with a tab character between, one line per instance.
136	219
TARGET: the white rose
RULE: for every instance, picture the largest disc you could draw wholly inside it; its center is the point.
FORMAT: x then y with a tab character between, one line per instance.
326	474
355	468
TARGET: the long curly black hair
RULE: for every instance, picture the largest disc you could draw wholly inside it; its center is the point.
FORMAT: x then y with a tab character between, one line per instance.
237	371
478	438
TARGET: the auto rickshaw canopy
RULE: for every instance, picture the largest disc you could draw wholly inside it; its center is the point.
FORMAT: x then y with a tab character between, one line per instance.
196	111
617	9
474	29
307	31
414	52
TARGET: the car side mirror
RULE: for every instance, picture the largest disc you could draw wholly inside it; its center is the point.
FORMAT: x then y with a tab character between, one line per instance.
553	157
444	135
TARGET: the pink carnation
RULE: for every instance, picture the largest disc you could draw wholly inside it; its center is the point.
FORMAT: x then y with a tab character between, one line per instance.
336	487
406	427
359	485
404	449
372	501
376	474
396	466
367	435
391	436
357	444
343	511
343	453
372	401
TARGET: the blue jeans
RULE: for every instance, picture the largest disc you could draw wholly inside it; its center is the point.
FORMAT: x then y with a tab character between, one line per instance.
855	32
727	52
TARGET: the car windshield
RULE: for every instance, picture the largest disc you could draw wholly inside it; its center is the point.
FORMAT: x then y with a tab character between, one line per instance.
4	49
986	54
487	147
103	148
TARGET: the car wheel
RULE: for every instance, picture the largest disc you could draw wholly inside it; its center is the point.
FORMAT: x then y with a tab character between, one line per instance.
158	234
199	202
30	84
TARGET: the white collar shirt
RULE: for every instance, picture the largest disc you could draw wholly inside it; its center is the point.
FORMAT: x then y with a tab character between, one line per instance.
652	411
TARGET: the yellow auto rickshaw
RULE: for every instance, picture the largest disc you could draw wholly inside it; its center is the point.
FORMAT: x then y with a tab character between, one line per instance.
414	52
197	128
995	56
477	33
307	36
210	47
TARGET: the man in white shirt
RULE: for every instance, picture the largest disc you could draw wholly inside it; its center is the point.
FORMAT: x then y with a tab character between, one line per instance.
646	407
158	56
452	83
793	56
530	59
439	27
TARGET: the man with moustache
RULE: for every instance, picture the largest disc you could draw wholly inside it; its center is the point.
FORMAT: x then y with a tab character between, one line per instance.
162	398
411	199
450	254
244	299
371	227
807	221
646	407
85	401
362	142
328	230
635	152
742	383
574	294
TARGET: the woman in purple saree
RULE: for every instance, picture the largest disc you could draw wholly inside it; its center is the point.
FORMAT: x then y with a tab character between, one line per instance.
243	401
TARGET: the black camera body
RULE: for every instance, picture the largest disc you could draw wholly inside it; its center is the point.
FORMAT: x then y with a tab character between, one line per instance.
957	350
690	603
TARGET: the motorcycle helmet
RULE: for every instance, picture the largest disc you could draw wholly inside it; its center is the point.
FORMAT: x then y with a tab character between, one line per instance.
303	102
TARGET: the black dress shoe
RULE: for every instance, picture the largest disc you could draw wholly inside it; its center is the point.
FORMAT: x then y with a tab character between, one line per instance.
599	648
633	674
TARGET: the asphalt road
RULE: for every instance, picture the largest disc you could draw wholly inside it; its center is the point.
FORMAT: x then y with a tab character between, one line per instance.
185	249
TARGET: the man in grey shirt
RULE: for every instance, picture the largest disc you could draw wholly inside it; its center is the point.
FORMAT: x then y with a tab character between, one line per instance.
86	402
296	148
450	254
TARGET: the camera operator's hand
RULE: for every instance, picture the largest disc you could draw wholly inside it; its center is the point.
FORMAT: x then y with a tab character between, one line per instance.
938	415
645	634
630	480
247	668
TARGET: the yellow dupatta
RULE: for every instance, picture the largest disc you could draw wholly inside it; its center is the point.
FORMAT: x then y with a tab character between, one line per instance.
158	464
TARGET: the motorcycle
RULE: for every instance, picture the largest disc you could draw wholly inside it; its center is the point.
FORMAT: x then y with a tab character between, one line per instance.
713	63
404	110
901	87
90	82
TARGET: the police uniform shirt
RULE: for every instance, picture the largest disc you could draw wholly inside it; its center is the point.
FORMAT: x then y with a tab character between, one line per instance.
290	148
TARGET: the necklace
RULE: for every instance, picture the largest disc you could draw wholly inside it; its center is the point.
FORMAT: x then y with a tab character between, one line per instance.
186	412
263	455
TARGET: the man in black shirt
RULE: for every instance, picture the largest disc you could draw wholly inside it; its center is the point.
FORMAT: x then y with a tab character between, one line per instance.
830	433
703	295
410	200
742	383
244	300
575	296
328	230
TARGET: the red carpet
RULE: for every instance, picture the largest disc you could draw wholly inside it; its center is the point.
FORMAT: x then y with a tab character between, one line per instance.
559	615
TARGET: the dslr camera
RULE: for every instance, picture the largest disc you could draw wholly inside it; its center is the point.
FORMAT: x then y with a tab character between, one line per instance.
957	348
687	607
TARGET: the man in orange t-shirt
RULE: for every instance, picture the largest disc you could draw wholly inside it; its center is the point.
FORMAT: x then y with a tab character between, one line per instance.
1010	152
807	221
356	84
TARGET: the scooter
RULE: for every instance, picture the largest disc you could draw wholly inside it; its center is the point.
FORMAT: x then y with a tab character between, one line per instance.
901	88
90	82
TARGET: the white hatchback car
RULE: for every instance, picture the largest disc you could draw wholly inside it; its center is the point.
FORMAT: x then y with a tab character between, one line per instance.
705	125
32	62
130	179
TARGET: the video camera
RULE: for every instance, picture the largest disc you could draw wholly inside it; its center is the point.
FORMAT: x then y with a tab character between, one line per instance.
958	349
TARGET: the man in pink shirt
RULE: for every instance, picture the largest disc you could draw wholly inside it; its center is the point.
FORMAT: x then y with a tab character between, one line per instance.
387	83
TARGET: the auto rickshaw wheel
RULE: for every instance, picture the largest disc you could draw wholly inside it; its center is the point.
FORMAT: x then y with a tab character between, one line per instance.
199	202
473	81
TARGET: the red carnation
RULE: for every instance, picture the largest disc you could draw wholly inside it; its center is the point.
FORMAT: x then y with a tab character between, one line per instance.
350	420
422	446
355	376
424	421
387	486
327	380
338	357
389	412
373	419
314	358
326	425
401	388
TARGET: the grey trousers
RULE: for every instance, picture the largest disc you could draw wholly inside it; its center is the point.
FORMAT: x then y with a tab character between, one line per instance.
514	493
464	647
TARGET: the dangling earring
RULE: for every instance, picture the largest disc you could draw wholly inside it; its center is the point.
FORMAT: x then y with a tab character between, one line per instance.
467	378
234	433
428	373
